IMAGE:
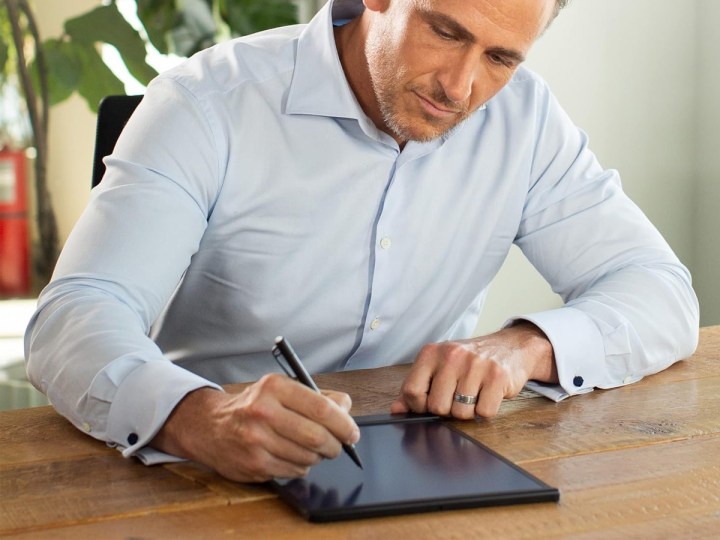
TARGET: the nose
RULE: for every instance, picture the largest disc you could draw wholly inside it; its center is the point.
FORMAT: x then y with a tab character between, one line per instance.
458	77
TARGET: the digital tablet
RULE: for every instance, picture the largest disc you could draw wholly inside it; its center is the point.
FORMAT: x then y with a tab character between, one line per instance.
411	464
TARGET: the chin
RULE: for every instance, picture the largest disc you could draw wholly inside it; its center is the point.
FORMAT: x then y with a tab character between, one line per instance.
424	135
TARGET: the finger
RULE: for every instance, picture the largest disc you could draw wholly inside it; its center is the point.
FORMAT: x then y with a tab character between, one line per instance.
264	427
323	424
416	386
261	466
456	365
465	410
340	398
442	390
490	398
468	385
304	442
399	406
283	408
275	467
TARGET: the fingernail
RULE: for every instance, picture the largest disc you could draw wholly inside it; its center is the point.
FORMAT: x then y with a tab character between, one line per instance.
355	436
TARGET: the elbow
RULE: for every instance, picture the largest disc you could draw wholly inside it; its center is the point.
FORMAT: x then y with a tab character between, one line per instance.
688	313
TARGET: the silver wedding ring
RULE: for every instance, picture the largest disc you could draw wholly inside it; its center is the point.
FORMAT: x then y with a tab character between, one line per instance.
463	398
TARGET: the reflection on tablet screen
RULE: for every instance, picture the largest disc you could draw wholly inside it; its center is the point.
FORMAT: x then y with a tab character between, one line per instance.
410	467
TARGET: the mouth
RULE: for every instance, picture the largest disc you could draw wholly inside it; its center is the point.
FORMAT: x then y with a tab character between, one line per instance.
435	109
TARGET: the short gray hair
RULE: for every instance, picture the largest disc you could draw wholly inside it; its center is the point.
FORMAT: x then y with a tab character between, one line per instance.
559	4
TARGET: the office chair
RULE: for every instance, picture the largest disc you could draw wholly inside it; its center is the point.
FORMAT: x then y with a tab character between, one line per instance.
113	114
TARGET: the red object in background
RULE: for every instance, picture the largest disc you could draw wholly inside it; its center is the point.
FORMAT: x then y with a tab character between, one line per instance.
14	239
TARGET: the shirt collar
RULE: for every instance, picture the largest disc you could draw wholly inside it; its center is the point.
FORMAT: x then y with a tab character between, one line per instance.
319	86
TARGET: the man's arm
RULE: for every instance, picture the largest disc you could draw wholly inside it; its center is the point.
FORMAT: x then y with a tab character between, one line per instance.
629	311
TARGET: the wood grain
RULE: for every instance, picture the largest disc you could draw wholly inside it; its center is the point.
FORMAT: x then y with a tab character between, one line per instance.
639	461
623	494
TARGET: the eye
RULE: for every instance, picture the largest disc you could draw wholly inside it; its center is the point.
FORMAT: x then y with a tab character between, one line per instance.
441	33
500	60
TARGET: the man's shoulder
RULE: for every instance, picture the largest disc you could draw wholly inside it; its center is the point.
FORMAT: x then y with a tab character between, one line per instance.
249	59
525	76
525	86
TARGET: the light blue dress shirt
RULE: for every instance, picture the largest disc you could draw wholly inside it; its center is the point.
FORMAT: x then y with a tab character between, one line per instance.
250	196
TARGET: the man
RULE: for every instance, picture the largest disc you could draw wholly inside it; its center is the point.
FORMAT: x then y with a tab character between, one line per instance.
355	188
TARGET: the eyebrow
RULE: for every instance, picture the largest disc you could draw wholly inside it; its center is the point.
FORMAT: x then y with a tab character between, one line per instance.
440	19
452	26
512	54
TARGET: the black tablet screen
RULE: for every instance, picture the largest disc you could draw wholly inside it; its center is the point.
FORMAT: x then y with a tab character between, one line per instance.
411	467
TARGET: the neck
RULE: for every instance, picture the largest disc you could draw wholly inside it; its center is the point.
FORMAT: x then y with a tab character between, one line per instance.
350	43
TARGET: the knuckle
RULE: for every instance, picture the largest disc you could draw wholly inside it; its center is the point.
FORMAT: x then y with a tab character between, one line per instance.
495	370
251	436
454	353
314	440
487	410
335	449
257	468
323	409
257	410
306	458
463	412
428	353
434	406
270	382
412	389
339	398
345	401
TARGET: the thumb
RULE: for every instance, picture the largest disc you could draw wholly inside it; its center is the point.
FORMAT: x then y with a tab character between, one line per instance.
399	406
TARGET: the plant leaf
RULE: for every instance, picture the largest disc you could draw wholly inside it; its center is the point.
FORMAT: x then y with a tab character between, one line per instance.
248	16
63	69
195	29
158	17
96	79
105	24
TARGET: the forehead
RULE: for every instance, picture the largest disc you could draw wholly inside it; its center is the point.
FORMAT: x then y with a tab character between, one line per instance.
523	20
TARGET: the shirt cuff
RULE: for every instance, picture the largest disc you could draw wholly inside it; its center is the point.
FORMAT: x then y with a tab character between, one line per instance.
142	404
578	348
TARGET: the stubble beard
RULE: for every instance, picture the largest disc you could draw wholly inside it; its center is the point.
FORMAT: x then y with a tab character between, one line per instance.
386	79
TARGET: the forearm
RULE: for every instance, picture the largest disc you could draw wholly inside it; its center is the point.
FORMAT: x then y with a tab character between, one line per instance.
637	321
89	353
538	351
189	424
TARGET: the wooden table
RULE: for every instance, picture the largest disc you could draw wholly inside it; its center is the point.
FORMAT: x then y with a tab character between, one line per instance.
641	461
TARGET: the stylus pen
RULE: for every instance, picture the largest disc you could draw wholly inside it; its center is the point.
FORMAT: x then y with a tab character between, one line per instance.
282	345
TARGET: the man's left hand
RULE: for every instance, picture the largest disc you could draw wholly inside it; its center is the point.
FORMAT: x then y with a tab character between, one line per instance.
491	368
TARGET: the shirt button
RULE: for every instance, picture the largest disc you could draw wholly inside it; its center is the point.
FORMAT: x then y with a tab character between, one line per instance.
87	428
375	324
627	380
386	242
578	381
132	439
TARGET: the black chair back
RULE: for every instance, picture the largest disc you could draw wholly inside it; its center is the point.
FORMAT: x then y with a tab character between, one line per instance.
113	114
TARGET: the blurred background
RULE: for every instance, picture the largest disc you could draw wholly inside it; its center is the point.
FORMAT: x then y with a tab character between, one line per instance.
641	78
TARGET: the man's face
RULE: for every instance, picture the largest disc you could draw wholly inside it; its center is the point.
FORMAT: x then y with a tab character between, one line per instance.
434	62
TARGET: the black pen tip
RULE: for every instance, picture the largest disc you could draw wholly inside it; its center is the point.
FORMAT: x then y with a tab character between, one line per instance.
350	449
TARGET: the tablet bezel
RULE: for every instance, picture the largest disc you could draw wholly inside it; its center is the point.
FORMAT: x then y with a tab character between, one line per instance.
541	493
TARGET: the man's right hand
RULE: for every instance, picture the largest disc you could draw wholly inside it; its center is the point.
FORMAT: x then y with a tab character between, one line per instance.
275	428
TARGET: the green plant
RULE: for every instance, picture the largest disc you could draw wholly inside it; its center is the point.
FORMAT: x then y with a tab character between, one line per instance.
60	66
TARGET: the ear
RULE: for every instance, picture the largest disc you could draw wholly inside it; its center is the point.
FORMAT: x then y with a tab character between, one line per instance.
377	5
